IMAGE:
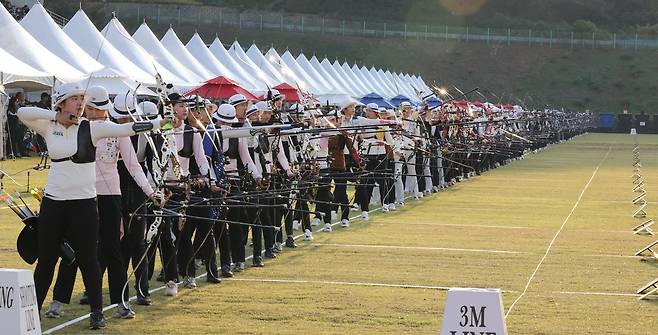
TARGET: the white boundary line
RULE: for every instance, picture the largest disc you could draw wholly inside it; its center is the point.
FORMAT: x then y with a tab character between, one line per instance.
86	316
607	294
331	282
564	223
379	246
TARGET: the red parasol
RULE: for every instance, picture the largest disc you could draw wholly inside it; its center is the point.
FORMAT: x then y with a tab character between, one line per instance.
221	88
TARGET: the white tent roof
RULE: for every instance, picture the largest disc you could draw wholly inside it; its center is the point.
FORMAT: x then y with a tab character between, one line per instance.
221	54
257	58
336	99
20	44
307	82
380	89
326	76
318	80
173	44
387	91
145	37
197	48
353	83
11	67
404	86
42	27
118	36
262	79
355	79
422	82
339	78
365	81
393	87
81	30
116	85
286	71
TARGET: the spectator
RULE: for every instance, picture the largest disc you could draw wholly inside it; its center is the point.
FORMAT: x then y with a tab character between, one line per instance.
16	128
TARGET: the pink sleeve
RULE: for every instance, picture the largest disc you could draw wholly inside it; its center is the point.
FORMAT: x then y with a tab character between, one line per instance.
132	164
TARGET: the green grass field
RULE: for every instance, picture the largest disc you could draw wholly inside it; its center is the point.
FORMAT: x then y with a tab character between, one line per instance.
389	275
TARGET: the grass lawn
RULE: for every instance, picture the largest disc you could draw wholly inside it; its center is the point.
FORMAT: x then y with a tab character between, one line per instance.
389	275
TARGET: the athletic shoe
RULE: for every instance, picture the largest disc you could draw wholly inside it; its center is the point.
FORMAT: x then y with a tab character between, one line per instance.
143	301
385	208
189	282
327	227
97	320
308	235
226	271
55	310
238	267
365	216
391	207
258	262
344	223
171	289
124	312
316	222
213	279
295	225
278	247
356	206
290	242
270	254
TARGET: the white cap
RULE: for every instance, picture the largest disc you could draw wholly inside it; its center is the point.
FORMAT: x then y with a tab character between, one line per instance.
251	110
405	104
98	98
372	106
148	109
67	90
276	95
124	105
262	106
237	99
347	103
226	113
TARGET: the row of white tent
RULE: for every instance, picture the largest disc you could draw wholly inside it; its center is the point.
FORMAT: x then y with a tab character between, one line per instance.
38	50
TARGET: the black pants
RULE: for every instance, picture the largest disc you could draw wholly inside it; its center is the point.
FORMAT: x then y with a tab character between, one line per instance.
374	166
281	212
238	232
420	170
77	222
260	235
133	244
339	195
109	215
17	134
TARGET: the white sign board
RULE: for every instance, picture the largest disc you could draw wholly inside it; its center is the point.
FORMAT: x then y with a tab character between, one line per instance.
633	131
19	311
473	311
643	124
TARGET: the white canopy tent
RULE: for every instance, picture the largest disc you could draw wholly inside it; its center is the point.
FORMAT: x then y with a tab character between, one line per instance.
307	82
20	44
173	44
363	88
12	67
344	85
317	79
381	90
387	92
257	58
119	37
365	81
286	71
315	63
221	54
145	37
238	54
354	84
42	27
81	30
118	85
394	87
197	48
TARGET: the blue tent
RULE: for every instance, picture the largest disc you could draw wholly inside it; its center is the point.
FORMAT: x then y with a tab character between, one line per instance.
433	102
376	98
398	100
